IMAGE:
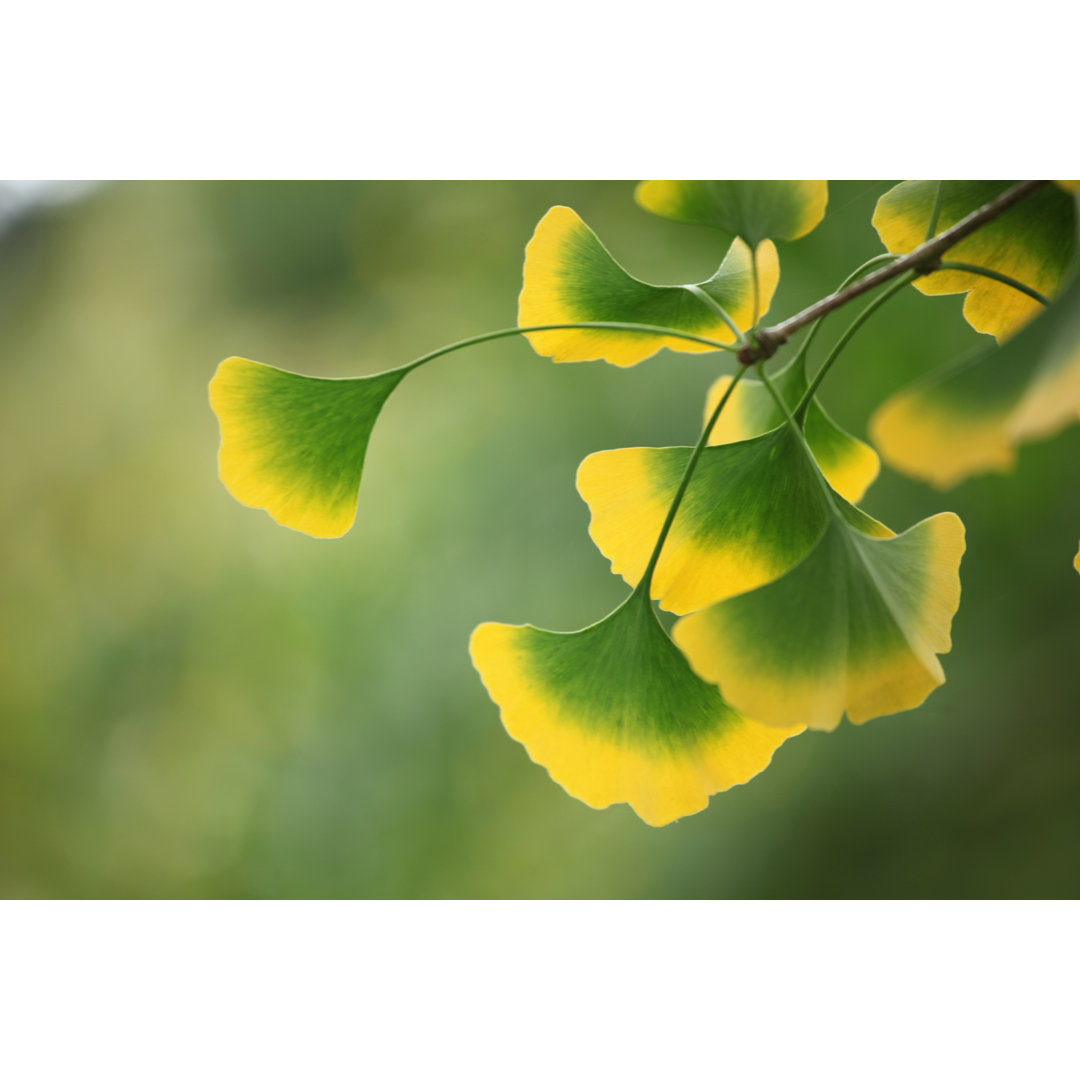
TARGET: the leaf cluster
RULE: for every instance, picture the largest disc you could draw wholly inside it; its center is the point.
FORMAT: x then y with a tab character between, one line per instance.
795	607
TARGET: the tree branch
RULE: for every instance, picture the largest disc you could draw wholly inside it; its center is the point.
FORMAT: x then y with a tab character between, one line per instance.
922	259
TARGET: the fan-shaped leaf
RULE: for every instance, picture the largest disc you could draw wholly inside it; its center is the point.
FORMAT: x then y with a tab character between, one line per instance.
615	714
752	209
294	445
752	510
849	464
1033	242
855	627
571	277
970	417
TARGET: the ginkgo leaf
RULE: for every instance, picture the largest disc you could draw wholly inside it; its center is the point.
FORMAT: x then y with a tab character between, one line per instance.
615	714
855	627
848	463
294	445
1032	242
752	510
752	209
969	417
571	277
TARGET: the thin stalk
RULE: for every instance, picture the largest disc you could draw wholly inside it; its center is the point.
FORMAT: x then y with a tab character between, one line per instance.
935	213
796	428
846	336
753	274
994	275
494	335
718	308
858	272
645	584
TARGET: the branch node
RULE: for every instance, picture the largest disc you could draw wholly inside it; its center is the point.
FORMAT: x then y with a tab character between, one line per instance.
761	345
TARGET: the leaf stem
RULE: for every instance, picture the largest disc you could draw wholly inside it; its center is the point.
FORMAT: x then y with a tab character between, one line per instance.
757	296
494	335
645	584
935	212
796	430
887	257
718	308
985	271
845	337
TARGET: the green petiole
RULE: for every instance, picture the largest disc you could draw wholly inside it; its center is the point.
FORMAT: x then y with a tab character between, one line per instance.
858	272
494	335
645	583
935	212
994	275
796	428
718	308
846	336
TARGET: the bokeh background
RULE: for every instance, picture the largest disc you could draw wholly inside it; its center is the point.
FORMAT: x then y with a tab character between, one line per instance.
195	702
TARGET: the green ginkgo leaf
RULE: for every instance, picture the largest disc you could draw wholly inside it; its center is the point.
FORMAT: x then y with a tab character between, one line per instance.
969	417
855	627
1032	242
753	209
294	445
848	463
615	714
752	510
570	276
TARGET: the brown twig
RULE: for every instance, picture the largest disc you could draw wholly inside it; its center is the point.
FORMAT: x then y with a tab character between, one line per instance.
924	259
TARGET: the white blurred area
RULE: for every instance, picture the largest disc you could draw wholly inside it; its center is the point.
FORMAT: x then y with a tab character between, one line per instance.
19	198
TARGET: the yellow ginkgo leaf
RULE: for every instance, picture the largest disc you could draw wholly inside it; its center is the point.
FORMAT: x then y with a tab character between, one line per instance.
1032	242
752	510
753	209
571	277
855	627
848	463
294	445
970	417
615	714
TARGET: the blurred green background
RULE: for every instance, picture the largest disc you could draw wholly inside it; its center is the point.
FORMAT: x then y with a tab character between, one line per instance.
195	702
